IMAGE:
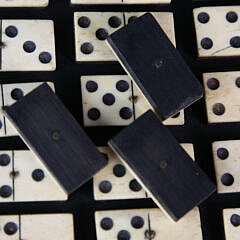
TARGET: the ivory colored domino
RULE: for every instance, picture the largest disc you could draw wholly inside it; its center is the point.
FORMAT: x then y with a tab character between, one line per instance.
144	224
9	225
231	218
222	96
217	31
116	182
226	162
24	3
32	41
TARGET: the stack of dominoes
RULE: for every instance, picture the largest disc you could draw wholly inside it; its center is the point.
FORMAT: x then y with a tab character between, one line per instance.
159	166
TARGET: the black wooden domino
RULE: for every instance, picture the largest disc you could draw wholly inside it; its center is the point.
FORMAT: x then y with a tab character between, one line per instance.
55	137
174	181
155	65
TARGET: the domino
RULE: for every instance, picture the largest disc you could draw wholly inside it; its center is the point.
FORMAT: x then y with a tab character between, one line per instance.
214	41
225	156
12	93
6	180
106	100
37	227
222	96
152	165
147	1
32	41
54	137
91	30
112	100
150	66
9	226
144	224
231	218
116	182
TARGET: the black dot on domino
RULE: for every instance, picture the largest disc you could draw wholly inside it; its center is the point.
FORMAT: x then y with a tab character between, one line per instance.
105	186
101	34
91	86
222	153
235	42
119	170
45	57
29	46
17	94
108	99
4	159
11	31
131	19
227	179
218	109
203	17
5	191
206	43
106	223
122	86
1	124
87	48
84	22
213	83
123	235
137	222
125	113
114	22
135	186
94	114
237	82
10	228
232	17
235	220
38	175
176	115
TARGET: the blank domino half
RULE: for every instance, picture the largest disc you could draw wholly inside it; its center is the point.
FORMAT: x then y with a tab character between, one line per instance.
23	178
144	224
12	93
92	28
32	41
120	1
112	100
231	218
24	3
222	96
217	31
37	227
116	182
226	160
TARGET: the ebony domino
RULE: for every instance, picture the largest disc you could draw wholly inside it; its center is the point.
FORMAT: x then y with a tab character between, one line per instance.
55	137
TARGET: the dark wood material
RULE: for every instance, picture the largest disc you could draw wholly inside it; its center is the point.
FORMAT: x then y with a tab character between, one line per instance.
175	181
54	135
155	66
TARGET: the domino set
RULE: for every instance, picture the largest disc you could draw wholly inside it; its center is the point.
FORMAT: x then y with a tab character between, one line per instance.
143	160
